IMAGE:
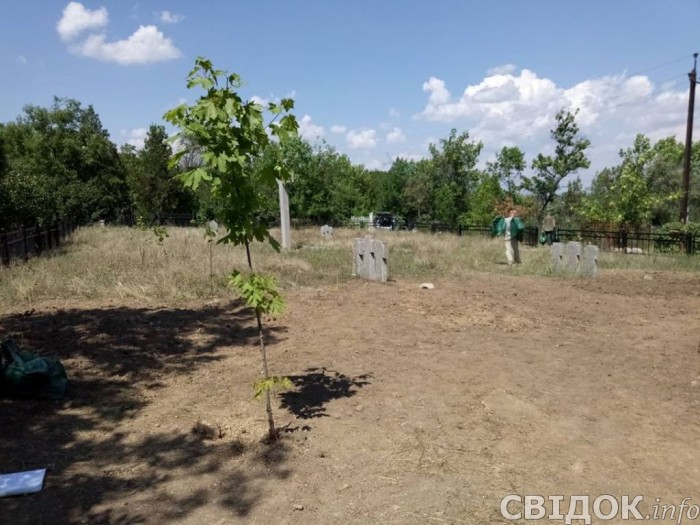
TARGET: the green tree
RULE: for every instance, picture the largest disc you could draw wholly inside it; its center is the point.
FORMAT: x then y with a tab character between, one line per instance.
508	169
418	191
391	185
665	174
61	163
569	157
232	136
569	208
150	179
484	200
632	192
454	175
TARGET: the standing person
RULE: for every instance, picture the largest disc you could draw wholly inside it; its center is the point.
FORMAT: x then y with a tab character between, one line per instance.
548	227
513	229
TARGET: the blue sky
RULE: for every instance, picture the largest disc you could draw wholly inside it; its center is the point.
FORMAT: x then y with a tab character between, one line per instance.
376	79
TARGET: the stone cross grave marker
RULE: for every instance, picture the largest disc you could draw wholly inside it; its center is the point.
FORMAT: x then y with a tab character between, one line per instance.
589	261
573	256
370	259
556	252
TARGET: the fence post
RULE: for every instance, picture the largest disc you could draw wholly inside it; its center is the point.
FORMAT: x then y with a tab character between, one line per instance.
623	239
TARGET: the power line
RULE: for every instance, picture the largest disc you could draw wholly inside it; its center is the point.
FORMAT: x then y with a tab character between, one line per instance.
659	66
640	92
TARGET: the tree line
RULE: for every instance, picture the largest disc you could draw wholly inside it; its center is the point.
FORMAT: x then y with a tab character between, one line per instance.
59	162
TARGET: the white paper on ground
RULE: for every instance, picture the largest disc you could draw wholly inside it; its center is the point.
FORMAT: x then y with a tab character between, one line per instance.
21	482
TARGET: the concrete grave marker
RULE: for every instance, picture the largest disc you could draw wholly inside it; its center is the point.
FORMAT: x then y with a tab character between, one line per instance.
370	259
573	256
589	261
358	254
327	232
556	252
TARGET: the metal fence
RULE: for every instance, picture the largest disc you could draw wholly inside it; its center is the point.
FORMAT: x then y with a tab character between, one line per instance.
622	241
640	242
24	243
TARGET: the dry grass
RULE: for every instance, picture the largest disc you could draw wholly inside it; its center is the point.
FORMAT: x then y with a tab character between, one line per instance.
124	263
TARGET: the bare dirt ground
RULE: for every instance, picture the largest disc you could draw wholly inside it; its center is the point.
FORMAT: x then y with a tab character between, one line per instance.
410	406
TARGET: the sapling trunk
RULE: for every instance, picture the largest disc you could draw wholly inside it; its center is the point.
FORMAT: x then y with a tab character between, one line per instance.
211	269
268	403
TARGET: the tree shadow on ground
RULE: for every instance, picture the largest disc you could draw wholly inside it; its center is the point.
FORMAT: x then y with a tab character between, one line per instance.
316	388
115	358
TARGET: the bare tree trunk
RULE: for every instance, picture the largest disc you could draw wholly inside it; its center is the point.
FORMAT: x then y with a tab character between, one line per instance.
211	269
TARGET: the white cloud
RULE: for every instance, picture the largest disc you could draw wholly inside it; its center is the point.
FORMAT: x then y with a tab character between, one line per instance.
264	101
21	59
260	100
145	46
170	18
501	70
308	130
394	113
335	128
374	164
395	136
505	108
77	18
366	139
137	137
408	156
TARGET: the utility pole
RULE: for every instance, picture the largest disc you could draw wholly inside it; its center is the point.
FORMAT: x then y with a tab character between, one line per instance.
688	141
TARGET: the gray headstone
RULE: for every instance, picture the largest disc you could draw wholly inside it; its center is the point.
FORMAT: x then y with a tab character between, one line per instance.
556	252
573	256
370	259
589	261
368	270
327	232
214	226
358	253
379	257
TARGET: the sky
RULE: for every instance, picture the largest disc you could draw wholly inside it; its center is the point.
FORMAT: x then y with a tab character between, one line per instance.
375	79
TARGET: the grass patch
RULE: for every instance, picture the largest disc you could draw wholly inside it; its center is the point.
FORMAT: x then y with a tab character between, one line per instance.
126	263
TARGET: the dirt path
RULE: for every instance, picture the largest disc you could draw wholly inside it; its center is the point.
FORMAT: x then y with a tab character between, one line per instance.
410	406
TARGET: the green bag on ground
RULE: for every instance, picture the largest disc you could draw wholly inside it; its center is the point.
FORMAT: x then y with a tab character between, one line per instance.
25	374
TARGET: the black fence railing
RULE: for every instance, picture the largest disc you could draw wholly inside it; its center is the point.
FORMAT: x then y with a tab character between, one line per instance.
639	242
622	241
24	243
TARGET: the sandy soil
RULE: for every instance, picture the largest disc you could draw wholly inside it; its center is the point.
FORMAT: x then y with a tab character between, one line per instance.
410	406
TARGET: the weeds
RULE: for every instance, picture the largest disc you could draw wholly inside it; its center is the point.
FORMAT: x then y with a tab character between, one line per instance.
106	263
